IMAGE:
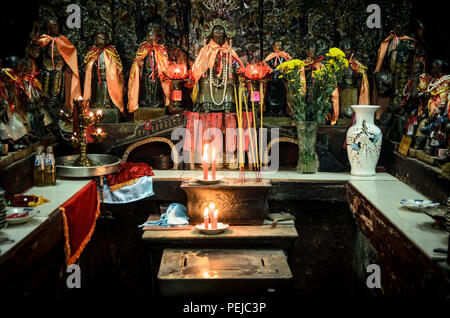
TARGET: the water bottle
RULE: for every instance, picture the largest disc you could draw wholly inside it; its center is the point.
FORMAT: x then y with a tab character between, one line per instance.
39	168
50	172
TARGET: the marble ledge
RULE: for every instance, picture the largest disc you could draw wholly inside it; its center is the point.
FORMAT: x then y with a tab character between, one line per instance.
385	196
58	195
278	175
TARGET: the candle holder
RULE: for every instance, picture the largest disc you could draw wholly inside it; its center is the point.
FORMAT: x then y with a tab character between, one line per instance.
81	119
178	73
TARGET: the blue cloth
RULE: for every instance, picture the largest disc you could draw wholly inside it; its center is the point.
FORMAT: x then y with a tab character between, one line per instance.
175	215
135	192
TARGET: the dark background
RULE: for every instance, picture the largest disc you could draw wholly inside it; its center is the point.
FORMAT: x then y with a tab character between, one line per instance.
17	17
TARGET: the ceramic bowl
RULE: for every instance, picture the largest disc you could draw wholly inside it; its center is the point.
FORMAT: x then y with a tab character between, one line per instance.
10	211
418	205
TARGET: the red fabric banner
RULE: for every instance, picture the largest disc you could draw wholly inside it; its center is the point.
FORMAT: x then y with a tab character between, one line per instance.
129	171
80	215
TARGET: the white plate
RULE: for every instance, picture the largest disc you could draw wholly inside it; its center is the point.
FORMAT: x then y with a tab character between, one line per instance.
221	227
11	210
209	181
418	205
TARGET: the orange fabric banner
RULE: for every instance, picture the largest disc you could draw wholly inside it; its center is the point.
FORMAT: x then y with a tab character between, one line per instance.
278	55
162	62
207	57
114	74
69	53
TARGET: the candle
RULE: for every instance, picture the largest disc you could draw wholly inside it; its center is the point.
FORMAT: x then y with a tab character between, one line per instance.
214	221
205	162
211	212
213	168
91	114
99	131
206	218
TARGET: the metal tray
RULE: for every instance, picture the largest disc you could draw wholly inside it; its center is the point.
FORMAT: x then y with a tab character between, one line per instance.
107	164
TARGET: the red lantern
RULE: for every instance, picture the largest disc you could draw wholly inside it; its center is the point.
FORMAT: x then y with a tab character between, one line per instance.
256	71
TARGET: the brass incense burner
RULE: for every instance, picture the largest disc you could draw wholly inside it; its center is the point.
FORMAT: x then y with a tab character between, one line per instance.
80	119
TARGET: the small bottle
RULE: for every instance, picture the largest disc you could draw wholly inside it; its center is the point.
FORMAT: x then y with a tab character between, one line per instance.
39	168
50	172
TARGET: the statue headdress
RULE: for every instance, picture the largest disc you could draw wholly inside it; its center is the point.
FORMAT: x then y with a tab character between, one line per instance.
219	14
209	26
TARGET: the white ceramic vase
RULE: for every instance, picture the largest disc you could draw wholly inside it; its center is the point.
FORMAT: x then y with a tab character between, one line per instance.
364	141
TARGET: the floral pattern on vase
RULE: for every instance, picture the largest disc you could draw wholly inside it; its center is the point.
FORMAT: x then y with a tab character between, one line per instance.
364	141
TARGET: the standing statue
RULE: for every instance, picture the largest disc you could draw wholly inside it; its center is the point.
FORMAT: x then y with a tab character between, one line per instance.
103	82
59	78
276	90
399	50
354	77
214	79
147	85
415	90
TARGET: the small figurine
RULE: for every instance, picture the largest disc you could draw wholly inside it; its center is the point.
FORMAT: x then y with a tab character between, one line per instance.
147	74
438	89
276	90
59	69
103	82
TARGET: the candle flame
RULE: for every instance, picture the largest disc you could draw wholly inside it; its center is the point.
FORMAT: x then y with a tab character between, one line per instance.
99	112
91	114
216	213
99	130
212	206
205	153
80	98
205	213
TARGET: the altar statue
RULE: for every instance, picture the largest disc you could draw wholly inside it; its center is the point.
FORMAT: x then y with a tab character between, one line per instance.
59	78
276	90
439	88
354	79
415	90
148	86
215	70
103	82
400	51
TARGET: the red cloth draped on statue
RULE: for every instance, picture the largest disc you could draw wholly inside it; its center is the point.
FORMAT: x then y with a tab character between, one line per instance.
128	173
79	215
198	135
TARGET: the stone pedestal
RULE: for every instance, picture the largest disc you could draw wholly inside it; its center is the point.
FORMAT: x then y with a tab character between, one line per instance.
238	203
144	114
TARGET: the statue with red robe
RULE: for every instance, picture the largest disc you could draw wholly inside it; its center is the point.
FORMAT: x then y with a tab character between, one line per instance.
103	82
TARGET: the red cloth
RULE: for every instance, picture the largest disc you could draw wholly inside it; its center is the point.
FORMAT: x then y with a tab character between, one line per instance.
80	214
128	171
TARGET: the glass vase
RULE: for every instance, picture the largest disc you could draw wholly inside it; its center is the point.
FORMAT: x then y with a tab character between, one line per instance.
308	161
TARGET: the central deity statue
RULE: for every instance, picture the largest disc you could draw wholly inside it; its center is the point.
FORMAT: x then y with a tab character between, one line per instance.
215	70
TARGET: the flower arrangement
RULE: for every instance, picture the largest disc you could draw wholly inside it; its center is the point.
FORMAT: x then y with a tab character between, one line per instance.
313	105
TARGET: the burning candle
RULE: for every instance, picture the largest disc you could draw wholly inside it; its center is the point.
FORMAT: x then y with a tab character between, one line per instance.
99	131
214	220
91	114
99	112
80	98
211	212
206	218
213	168
205	162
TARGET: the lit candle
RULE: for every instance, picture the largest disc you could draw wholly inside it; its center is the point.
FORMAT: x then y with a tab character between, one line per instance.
206	218
91	114
205	162
211	212
99	131
213	168
214	220
80	98
99	112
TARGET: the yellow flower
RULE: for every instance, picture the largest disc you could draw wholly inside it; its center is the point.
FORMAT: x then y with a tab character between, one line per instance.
280	76
335	52
293	80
